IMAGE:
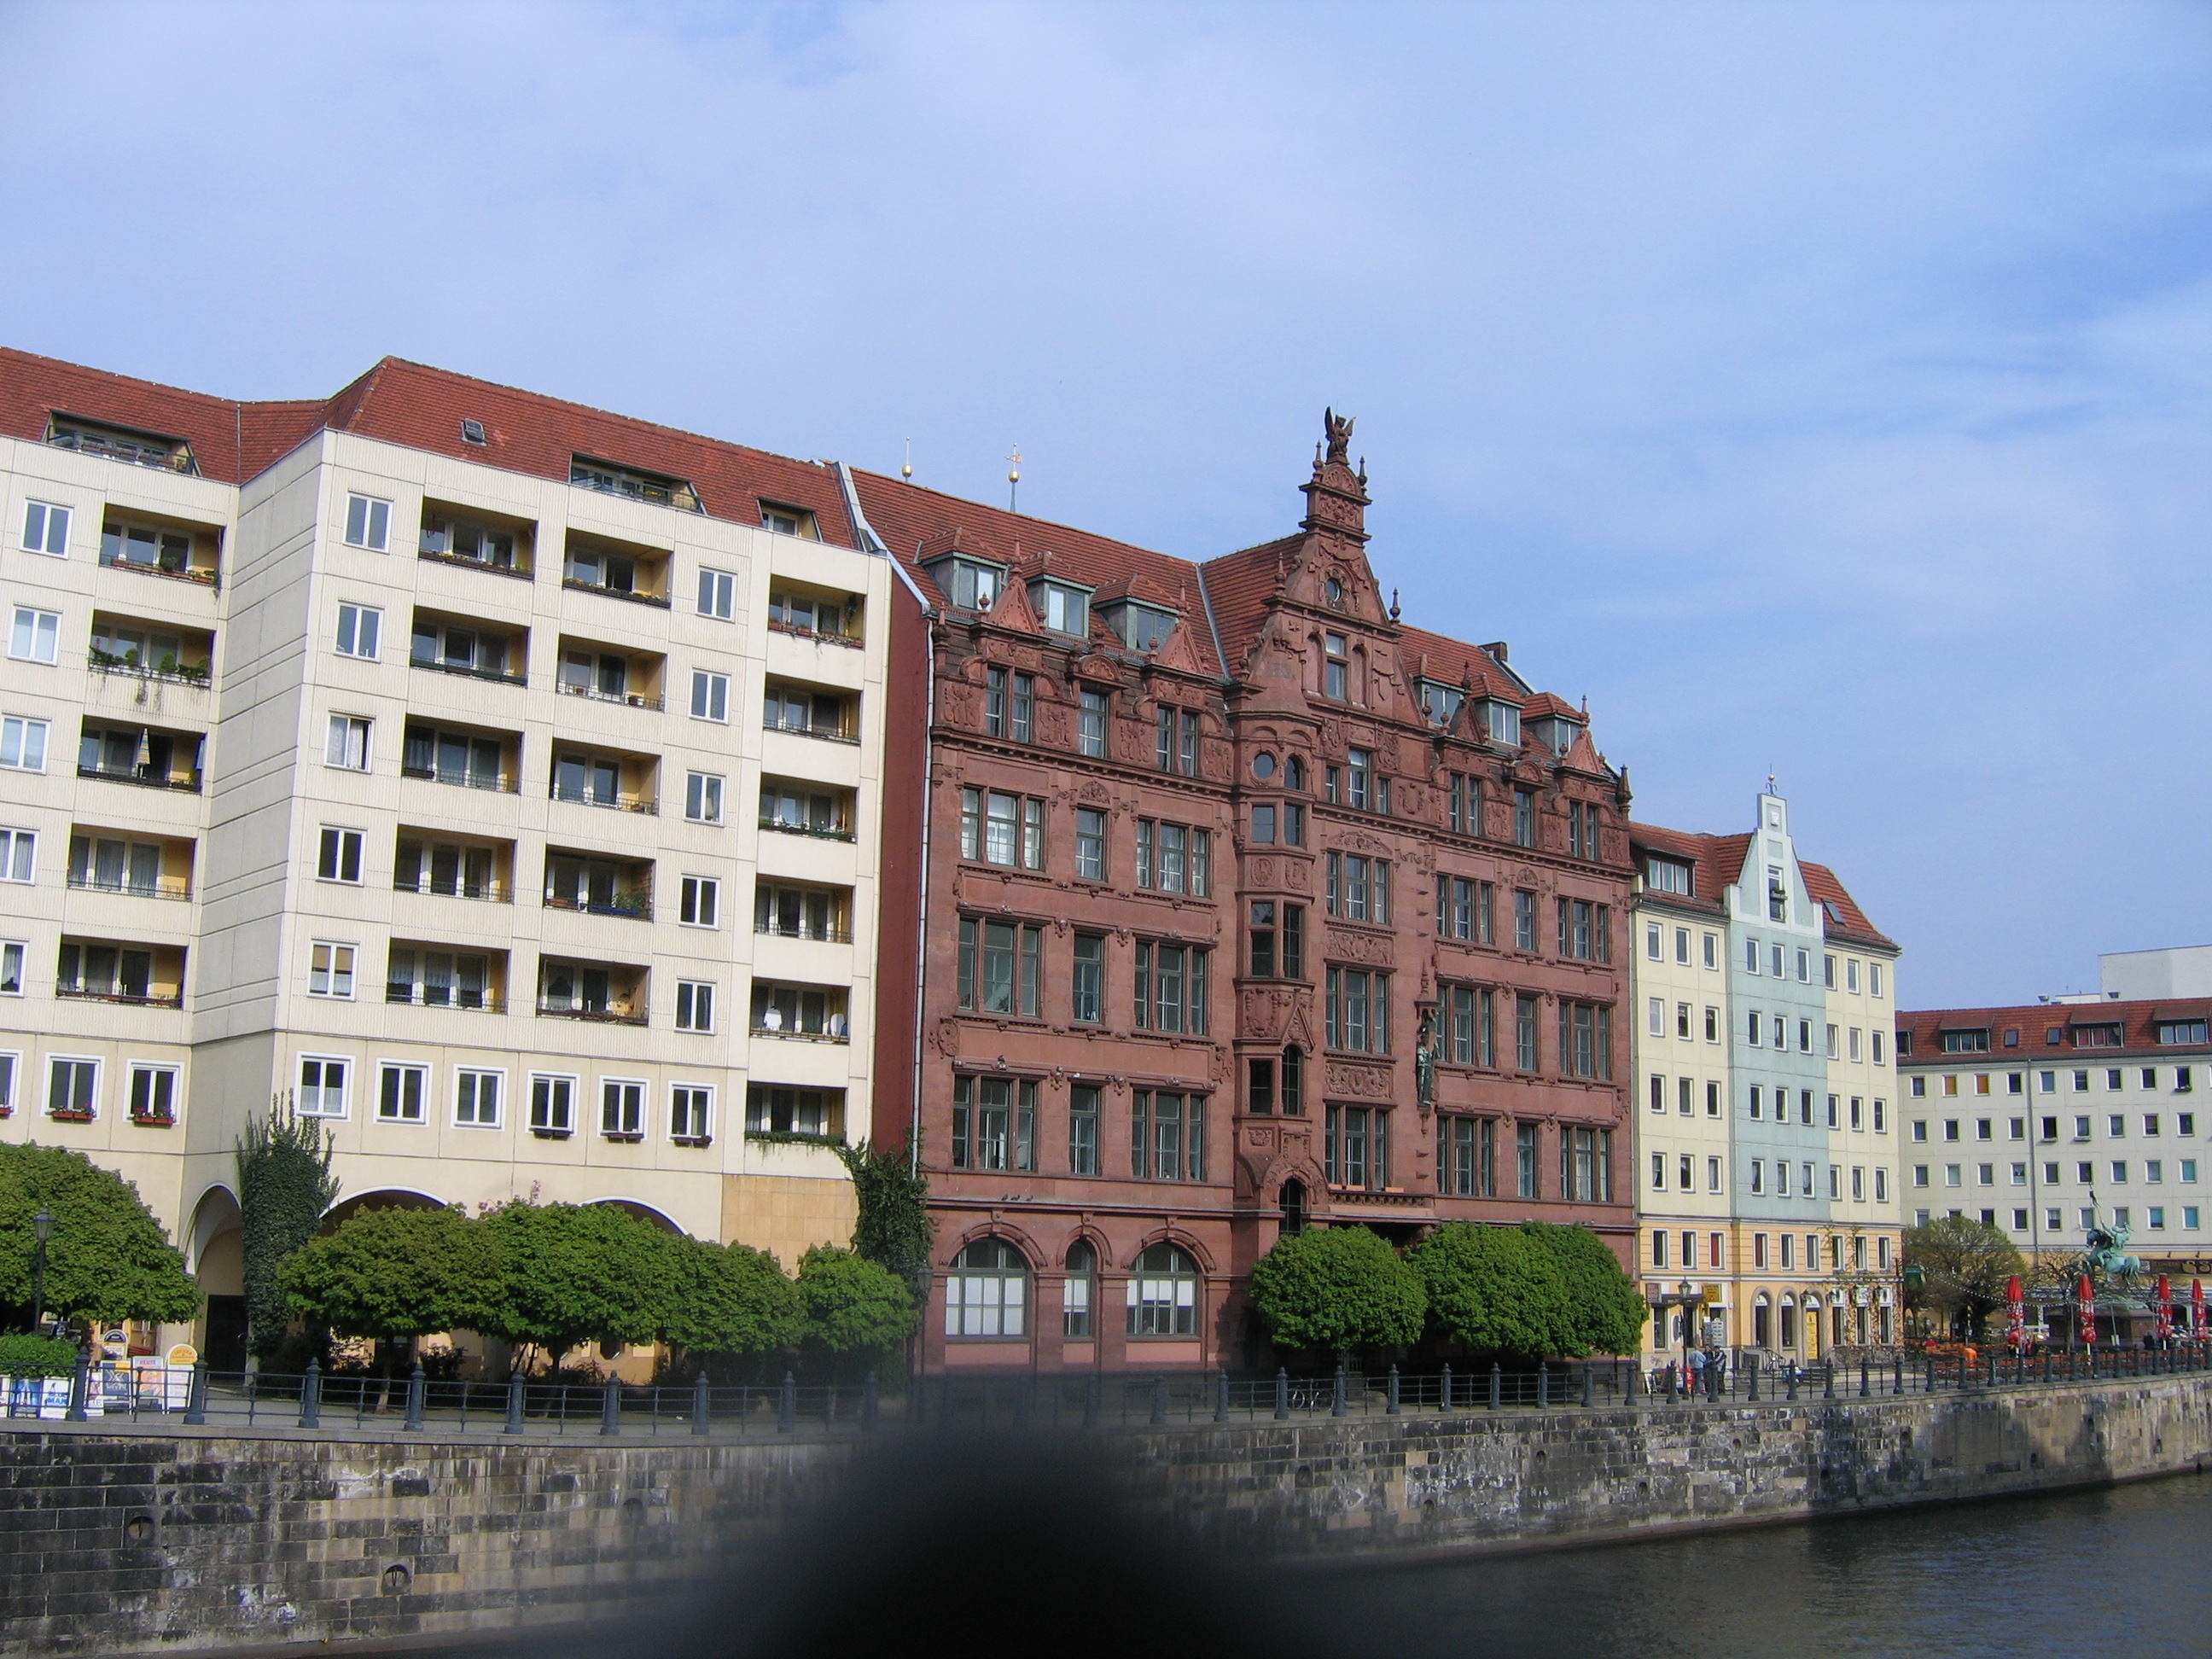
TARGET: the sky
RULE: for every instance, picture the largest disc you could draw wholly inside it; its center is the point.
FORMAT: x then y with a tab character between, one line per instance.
1819	389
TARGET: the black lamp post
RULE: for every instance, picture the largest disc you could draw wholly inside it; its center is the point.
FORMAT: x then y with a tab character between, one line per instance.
1690	1300
43	1225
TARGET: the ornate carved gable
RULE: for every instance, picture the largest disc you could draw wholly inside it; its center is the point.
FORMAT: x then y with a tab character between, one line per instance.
1180	650
1335	526
1013	610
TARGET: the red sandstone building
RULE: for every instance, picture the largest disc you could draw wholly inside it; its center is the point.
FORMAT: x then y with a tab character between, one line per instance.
1246	906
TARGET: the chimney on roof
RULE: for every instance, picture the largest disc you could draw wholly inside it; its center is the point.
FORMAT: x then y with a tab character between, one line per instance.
1497	648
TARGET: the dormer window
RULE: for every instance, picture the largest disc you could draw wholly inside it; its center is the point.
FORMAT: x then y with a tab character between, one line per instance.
790	521
1441	703
1503	720
1972	1042
1142	627
1556	732
655	488
1064	610
119	443
1669	876
969	583
2097	1036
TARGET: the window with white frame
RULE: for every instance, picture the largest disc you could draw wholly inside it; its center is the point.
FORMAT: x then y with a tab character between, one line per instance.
718	593
400	1089
337	856
11	1067
701	904
23	744
153	1093
702	797
330	969
695	1006
19	854
690	1114
622	1109
36	636
710	696
368	523
552	1103
346	746
476	1098
11	966
322	1091
72	1087
987	1292
46	529
361	631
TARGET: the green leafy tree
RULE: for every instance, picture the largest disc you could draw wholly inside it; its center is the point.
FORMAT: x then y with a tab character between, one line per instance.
1603	1309
894	1227
854	1305
107	1258
1496	1289
1337	1288
395	1274
731	1300
1965	1267
285	1188
578	1272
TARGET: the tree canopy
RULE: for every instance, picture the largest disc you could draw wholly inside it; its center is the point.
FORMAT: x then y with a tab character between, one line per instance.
1965	1267
854	1305
396	1274
1535	1290
579	1273
1605	1310
285	1188
731	1299
1337	1288
107	1257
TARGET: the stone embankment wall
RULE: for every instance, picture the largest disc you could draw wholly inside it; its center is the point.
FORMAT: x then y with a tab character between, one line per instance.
125	1544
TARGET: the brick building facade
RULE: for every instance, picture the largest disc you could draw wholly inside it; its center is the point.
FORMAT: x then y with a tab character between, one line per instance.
1247	906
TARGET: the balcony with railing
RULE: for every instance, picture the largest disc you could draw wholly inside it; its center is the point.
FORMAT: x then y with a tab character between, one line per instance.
116	443
605	993
606	778
186	553
633	483
801	1014
139	976
811	711
609	673
792	808
142	754
108	861
445	644
616	570
438	865
465	757
430	975
599	886
149	651
783	910
824	615
462	536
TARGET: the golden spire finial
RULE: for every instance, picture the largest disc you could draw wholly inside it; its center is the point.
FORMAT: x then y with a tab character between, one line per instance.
906	467
1014	479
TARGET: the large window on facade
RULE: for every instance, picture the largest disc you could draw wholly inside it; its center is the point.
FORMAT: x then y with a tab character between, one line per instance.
1174	858
1357	1006
1585	1040
1082	1114
1164	1293
994	1124
1171	988
1167	1135
1585	930
987	1292
1466	1157
1002	829
1466	909
1586	1165
1079	1292
1358	888
1470	1013
1356	1144
999	966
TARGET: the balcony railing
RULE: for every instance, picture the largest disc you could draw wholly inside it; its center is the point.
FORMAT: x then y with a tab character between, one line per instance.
491	892
520	572
635	906
122	449
104	662
164	887
448	996
498	675
617	803
834	935
505	784
800	630
786	1033
570	689
131	999
188	784
659	600
817	733
550	1008
183	573
807	829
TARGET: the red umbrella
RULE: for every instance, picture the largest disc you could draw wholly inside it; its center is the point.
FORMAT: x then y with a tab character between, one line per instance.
2015	1313
2085	1304
2196	1309
2165	1307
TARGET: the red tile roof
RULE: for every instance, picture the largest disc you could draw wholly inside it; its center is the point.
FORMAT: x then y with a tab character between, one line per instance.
1920	1033
422	408
1840	916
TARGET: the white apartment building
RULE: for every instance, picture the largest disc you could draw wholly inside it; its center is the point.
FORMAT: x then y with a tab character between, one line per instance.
494	778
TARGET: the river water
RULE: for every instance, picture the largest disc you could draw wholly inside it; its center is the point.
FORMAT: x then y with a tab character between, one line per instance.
2125	1572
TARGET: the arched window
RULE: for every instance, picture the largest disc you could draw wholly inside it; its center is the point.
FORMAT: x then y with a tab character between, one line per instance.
1294	1082
1164	1293
1789	1321
1762	1314
1294	774
987	1290
1812	1325
1294	1206
1079	1291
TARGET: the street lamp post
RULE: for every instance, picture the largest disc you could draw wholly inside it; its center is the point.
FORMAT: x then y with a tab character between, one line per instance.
43	1225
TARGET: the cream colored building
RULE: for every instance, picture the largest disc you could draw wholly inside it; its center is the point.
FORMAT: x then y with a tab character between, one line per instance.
494	778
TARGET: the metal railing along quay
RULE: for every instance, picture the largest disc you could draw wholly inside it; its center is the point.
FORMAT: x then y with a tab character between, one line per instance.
317	1403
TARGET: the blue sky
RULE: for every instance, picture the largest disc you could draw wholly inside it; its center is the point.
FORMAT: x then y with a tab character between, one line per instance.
1818	388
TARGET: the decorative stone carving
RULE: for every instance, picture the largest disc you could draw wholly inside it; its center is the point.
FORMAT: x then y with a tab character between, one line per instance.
1361	1082
1371	949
